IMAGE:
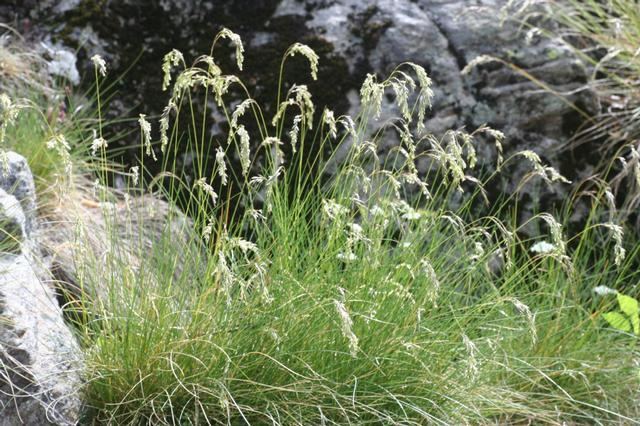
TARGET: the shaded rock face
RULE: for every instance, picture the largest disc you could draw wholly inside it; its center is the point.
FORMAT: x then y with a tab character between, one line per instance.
41	363
353	38
91	244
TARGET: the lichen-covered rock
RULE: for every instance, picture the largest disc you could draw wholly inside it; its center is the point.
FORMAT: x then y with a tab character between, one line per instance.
16	179
41	361
353	38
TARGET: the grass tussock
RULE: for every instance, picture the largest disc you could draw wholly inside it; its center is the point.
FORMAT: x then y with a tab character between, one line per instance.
372	294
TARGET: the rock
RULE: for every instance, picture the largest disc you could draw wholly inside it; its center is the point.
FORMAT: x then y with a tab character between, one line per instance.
42	362
41	374
354	38
61	62
17	180
12	224
86	240
445	36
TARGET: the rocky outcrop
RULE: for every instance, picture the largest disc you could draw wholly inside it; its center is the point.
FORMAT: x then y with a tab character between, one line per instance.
538	102
40	378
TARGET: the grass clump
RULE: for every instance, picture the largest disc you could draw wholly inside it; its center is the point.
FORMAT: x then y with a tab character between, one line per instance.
356	288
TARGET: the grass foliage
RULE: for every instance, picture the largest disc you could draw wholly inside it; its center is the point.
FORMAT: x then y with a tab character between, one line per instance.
346	288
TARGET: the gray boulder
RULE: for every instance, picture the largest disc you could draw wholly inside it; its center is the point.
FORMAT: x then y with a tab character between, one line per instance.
41	361
354	38
18	181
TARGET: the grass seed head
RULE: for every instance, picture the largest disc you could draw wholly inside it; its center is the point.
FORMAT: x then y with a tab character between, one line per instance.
221	166
99	64
371	94
245	160
347	327
207	189
145	129
236	42
171	59
618	235
329	119
307	52
98	143
134	173
294	132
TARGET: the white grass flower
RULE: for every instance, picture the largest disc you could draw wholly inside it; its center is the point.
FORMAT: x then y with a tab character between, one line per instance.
411	215
376	210
256	215
611	200
294	132
95	187
425	96
208	189
207	230
356	231
531	34
330	121
530	316
371	94
225	276
185	80
172	58
414	179
308	53
556	232
478	251
99	64
304	102
221	165
349	125
245	160
145	128
333	210
635	157
98	143
8	114
623	161
236	42
542	247
61	146
239	111
347	327
467	144
498	138
428	270
472	352
134	173
282	108
220	86
618	235
347	257
164	125
401	91
244	245
549	174
212	68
